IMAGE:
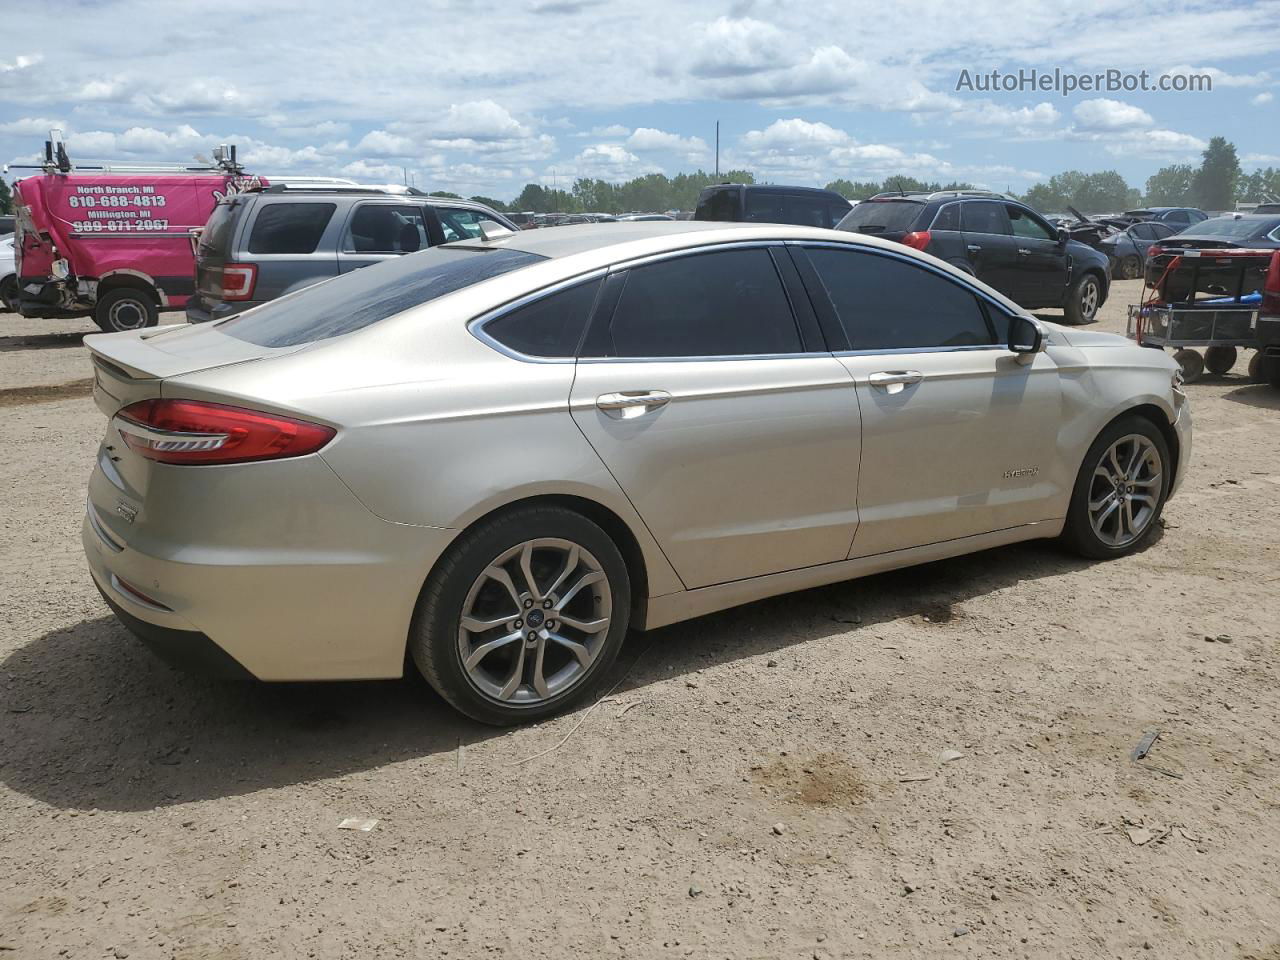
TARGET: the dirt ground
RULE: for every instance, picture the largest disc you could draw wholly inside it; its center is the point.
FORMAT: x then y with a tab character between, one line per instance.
766	782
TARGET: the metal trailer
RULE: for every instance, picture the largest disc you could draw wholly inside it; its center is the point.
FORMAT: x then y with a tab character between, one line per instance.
1220	330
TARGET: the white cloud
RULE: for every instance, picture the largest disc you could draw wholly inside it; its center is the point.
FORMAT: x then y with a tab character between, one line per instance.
1220	77
32	127
22	62
649	140
480	120
1262	99
1104	114
608	161
380	143
792	134
732	47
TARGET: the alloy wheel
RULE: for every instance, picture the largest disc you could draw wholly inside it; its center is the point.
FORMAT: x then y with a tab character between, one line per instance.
1089	299
1125	492
534	621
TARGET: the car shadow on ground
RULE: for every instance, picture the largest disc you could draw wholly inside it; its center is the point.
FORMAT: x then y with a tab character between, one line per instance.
1256	395
41	341
92	720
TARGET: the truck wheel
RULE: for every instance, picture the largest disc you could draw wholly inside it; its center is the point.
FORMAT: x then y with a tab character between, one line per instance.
1220	359
1192	364
1083	300
127	308
1269	369
9	294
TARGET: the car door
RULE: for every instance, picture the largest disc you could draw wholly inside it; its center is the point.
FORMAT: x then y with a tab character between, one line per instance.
1041	277
378	230
730	427
989	242
959	434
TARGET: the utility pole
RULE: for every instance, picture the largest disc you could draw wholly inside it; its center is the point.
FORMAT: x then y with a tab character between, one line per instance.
717	149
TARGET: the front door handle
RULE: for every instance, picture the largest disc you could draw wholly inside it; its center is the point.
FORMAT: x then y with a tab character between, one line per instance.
630	404
1024	252
974	248
895	381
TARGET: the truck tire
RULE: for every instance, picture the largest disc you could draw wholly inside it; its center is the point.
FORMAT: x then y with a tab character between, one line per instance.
126	308
9	294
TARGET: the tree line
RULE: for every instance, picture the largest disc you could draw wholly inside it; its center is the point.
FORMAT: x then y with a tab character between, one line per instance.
1216	183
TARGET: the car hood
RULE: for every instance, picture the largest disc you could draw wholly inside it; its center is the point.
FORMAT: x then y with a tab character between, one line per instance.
1088	338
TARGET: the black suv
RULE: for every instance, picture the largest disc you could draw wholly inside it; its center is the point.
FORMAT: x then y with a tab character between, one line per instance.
265	243
770	203
1002	242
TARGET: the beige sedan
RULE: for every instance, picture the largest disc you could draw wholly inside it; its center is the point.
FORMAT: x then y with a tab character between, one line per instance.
501	454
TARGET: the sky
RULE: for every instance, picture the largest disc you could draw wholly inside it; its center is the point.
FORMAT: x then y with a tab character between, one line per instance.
484	98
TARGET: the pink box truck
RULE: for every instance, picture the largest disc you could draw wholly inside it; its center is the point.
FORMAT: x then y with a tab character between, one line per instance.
113	241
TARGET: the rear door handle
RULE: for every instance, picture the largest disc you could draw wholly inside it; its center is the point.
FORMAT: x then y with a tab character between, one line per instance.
630	404
894	381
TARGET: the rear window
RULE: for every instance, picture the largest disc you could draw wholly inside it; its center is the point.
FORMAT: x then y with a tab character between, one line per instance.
290	227
882	216
1231	228
216	237
363	297
719	205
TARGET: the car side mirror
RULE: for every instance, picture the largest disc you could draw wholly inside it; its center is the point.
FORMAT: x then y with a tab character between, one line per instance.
1026	338
1063	236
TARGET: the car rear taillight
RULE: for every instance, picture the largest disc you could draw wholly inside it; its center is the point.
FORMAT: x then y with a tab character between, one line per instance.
1155	250
238	280
918	240
1271	288
192	432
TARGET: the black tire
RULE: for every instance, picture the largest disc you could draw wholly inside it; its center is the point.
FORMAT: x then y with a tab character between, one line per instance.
1255	367
434	638
1191	362
1079	533
1083	300
9	294
1130	268
1269	370
1219	360
126	308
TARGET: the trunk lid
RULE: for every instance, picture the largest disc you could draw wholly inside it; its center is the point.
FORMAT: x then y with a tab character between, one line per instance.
128	367
213	249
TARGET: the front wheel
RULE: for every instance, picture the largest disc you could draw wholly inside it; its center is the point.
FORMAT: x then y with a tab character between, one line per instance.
9	294
523	616
1120	490
124	309
1083	300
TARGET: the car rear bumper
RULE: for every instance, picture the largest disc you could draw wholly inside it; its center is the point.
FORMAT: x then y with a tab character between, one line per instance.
275	565
201	310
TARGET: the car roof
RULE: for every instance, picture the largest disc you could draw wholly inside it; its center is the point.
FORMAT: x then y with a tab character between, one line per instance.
772	187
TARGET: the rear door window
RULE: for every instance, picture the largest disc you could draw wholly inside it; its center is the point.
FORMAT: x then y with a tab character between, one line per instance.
885	303
550	326
984	216
289	227
363	297
387	228
727	303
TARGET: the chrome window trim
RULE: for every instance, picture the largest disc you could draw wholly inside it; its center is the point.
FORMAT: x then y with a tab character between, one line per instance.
966	348
476	325
816	355
648	258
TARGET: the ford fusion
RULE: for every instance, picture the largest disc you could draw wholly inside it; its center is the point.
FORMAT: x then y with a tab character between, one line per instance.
499	455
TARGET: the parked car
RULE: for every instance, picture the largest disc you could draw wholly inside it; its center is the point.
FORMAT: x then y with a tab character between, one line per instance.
1179	217
1267	359
1239	231
1002	242
770	203
1127	248
6	224
497	456
632	217
113	244
8	276
1267	208
525	221
263	244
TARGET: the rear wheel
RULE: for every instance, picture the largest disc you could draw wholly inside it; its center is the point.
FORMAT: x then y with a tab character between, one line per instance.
1269	369
9	294
523	616
1083	300
1120	490
1130	268
126	308
1220	359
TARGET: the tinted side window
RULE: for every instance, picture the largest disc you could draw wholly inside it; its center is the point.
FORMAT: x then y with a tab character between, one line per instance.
1177	216
983	216
806	211
290	227
886	303
1144	231
386	228
720	205
1025	225
763	207
550	326
729	303
1160	230
948	218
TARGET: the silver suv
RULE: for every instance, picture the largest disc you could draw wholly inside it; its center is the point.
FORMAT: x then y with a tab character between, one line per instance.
265	243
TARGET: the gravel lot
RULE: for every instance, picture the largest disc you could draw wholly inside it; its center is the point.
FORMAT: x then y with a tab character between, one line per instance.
766	782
